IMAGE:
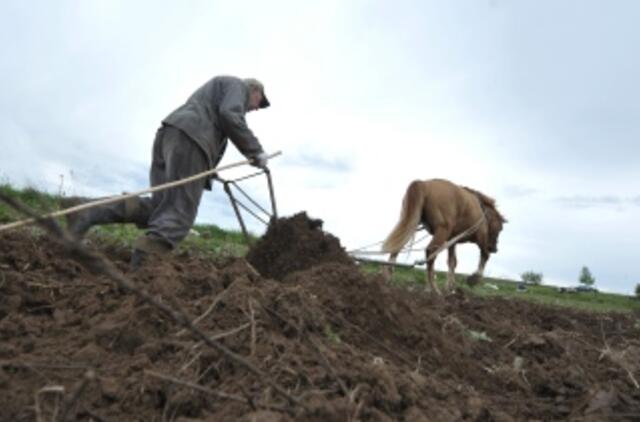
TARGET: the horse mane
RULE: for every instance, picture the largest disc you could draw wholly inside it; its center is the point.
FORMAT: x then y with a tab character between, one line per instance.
487	201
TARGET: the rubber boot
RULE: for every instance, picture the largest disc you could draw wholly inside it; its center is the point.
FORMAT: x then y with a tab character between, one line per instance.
147	248
138	258
127	211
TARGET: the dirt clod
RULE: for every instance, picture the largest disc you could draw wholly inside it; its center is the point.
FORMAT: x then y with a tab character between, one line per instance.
294	244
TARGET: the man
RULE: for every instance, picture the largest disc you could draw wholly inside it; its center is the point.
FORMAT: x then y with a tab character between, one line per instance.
192	139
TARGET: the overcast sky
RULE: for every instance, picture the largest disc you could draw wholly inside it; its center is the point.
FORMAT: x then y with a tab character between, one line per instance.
535	103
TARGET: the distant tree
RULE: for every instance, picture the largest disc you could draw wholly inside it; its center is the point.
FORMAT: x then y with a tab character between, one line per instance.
638	290
586	278
531	277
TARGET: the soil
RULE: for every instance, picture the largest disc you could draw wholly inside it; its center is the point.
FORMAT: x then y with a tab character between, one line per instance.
293	244
347	346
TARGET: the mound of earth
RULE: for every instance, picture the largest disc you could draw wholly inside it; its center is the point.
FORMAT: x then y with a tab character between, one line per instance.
344	345
294	244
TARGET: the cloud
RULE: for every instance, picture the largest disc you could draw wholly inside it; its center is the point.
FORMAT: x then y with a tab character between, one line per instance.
579	201
518	191
319	163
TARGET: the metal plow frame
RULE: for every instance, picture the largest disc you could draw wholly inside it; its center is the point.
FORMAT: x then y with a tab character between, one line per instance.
259	213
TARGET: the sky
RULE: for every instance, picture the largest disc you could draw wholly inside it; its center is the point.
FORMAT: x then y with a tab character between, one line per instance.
534	103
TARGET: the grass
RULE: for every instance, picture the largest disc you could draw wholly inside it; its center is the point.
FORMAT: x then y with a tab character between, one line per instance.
203	239
214	241
34	199
549	295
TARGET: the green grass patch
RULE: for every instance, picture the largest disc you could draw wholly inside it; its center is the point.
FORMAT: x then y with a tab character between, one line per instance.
38	201
548	295
203	239
331	335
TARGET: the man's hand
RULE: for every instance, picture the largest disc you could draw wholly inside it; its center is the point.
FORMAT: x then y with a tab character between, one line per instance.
260	160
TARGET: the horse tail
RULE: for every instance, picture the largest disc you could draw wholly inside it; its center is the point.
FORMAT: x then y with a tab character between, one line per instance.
409	218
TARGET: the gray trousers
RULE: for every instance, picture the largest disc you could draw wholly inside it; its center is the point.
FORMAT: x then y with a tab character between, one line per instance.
168	215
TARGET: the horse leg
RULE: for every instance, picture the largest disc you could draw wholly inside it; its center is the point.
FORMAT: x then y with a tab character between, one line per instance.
452	261
388	269
476	277
439	237
431	276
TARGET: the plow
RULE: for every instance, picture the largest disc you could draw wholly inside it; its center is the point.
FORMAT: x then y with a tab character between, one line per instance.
255	210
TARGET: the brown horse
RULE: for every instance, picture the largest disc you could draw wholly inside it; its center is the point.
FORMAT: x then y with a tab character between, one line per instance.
451	214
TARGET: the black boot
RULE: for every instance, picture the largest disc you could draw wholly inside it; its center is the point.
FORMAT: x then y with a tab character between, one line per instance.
79	223
127	211
138	258
145	249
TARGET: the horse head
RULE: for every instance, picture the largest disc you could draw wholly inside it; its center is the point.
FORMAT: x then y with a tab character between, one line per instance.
495	221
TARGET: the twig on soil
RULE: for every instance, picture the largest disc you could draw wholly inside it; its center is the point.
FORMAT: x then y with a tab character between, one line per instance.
88	377
418	365
41	285
323	359
25	366
252	268
92	415
34	365
369	336
209	309
354	392
452	320
328	367
190	362
209	391
58	389
621	362
224	334
99	264
616	357
205	372
194	386
167	405
356	413
253	329
319	391
250	400
506	346
230	332
604	339
633	379
524	377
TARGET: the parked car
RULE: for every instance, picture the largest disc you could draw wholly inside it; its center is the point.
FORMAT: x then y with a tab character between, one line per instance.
577	289
567	289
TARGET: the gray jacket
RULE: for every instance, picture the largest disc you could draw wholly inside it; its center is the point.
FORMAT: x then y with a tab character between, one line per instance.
215	113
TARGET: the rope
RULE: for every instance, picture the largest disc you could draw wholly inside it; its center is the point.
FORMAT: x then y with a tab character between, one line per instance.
365	247
118	198
453	240
446	245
